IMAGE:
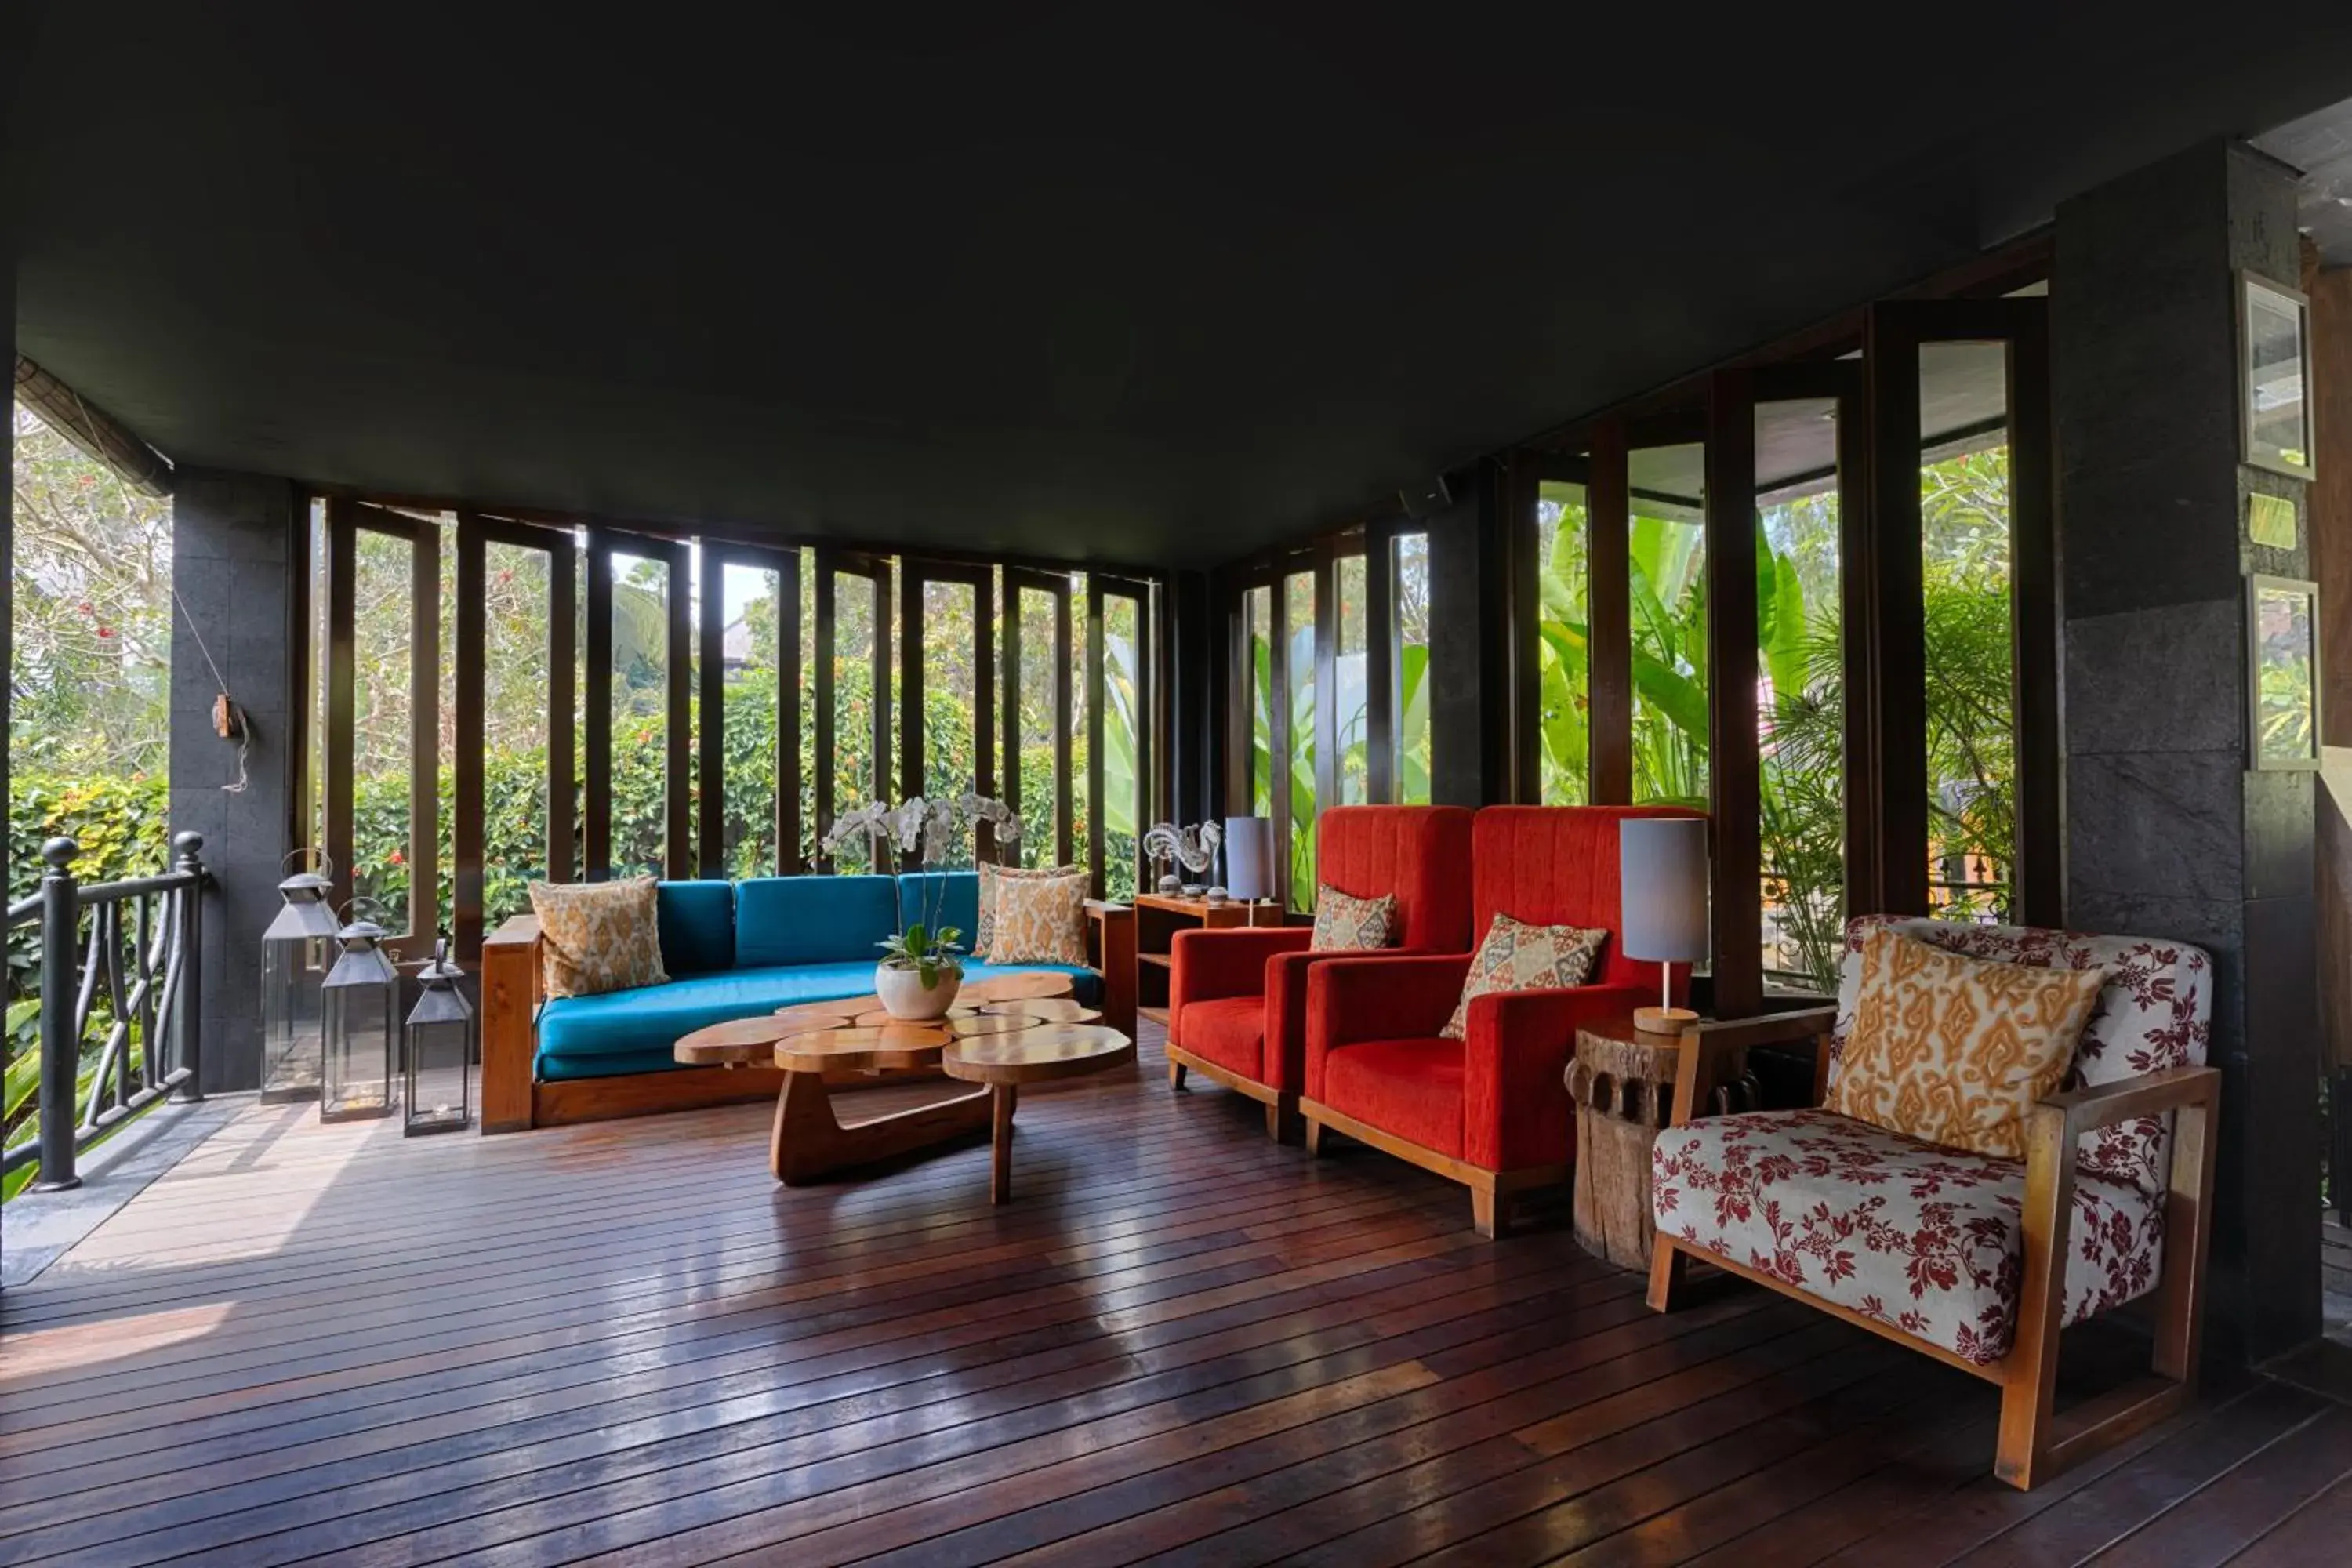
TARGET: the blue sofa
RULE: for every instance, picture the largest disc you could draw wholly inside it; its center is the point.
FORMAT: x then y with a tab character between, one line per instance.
732	949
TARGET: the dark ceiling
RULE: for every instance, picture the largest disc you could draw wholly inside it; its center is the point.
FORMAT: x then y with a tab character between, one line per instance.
1087	282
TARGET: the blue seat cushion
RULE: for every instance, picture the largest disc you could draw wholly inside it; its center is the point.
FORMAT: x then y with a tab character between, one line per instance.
813	920
633	1031
697	921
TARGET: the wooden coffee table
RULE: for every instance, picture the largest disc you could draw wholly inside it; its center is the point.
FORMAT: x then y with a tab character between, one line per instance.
812	1039
1004	1060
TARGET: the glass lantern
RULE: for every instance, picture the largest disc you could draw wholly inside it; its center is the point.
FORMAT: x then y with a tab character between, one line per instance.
439	1048
295	952
360	1010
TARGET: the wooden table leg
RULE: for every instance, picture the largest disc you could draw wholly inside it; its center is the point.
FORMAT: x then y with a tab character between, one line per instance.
1004	1098
809	1141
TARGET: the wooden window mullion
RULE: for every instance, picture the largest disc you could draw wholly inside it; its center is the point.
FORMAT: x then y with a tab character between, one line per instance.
1734	766
1608	617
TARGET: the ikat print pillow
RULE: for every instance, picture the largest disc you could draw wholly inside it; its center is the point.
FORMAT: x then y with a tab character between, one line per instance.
1957	1050
1041	920
991	877
1516	956
597	937
1346	924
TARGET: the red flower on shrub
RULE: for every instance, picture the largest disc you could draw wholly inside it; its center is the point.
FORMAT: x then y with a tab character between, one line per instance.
395	859
105	631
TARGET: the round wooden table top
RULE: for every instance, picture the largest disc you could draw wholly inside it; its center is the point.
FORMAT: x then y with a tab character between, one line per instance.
1036	1055
1014	988
889	1046
736	1041
825	1014
1041	1010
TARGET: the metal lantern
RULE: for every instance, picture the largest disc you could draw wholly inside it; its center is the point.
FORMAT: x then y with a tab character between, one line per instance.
439	1048
360	1009
295	952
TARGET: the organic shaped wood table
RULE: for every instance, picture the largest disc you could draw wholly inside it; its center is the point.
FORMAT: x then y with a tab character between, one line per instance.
812	1041
1005	1059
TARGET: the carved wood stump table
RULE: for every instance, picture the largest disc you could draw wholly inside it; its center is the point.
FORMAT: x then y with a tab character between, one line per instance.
821	1045
1622	1081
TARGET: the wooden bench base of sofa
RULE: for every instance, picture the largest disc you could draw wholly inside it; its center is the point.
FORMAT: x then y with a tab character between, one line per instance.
1281	1122
566	1101
1492	1192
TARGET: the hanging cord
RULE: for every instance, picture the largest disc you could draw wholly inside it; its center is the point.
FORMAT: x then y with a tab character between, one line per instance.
235	711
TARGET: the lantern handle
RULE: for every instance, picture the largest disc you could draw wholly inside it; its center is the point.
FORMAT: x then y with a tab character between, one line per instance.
321	861
375	907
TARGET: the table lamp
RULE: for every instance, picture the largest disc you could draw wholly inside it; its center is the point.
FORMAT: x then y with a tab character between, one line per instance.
1249	857
1662	883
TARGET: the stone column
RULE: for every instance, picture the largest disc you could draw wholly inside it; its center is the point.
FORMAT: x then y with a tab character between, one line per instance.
2168	834
233	560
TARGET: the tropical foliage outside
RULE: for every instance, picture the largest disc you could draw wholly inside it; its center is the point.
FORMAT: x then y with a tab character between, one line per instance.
1801	691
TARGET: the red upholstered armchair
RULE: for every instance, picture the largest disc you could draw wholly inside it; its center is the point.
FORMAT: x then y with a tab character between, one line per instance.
1490	1111
1237	997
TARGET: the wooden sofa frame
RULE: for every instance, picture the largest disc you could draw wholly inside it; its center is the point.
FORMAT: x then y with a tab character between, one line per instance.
2036	1441
514	1101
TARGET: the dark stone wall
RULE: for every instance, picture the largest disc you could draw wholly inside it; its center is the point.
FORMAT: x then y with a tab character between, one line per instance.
2167	832
232	567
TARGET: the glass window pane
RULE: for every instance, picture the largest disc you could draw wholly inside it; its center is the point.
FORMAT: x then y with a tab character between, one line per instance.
516	638
1801	707
1667	556
641	590
1257	615
1043	665
1298	602
855	773
950	696
1410	597
385	632
1122	731
803	855
1563	685
1349	665
1964	504
750	656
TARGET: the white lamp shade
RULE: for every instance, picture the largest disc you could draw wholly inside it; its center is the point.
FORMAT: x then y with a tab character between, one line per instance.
1662	888
1249	857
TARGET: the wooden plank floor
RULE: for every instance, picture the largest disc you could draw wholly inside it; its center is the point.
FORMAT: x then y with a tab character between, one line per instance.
624	1343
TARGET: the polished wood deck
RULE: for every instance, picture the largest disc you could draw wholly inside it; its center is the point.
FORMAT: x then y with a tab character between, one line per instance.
624	1343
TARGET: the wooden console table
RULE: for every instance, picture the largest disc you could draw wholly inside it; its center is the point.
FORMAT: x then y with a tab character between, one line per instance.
1159	916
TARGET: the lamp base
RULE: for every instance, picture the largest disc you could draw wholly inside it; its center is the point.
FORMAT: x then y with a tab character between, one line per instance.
1663	1020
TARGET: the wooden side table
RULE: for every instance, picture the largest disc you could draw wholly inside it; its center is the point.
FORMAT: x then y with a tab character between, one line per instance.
1622	1081
1159	916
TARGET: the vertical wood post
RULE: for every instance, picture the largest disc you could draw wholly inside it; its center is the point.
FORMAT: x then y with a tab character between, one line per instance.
187	1022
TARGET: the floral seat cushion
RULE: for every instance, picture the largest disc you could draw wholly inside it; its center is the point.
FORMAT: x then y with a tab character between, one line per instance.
1923	1237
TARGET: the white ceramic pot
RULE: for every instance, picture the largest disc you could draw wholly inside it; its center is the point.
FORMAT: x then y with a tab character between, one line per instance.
903	995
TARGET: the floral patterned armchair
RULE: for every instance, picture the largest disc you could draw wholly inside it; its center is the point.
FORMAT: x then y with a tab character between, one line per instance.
1979	1261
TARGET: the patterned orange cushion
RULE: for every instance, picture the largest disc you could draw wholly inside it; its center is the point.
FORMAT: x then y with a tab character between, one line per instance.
1040	920
1958	1050
1516	956
598	936
990	875
1346	924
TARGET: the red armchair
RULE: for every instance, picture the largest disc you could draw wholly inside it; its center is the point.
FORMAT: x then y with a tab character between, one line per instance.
1237	998
1490	1111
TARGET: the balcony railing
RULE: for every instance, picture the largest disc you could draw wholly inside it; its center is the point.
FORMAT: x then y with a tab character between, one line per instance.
122	985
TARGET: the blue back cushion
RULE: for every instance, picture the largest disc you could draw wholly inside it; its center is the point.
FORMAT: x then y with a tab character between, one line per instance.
812	920
943	898
697	920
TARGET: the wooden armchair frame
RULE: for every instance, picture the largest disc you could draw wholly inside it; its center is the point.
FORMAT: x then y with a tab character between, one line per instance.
514	1101
2036	1441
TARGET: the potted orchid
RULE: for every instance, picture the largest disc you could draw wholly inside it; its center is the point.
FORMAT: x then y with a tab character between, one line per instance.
922	962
